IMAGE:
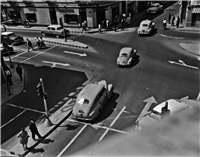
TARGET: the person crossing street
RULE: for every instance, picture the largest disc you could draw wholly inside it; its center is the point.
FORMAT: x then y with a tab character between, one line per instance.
33	129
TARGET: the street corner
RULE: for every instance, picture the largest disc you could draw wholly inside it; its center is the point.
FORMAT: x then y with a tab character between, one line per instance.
191	47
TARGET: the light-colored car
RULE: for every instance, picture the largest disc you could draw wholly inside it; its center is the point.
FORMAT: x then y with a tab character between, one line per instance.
15	39
150	118
146	27
91	100
54	30
126	56
155	8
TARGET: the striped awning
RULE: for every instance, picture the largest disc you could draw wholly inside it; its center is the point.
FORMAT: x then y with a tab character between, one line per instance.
196	10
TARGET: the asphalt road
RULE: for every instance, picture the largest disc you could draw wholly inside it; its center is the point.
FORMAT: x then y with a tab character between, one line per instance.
151	75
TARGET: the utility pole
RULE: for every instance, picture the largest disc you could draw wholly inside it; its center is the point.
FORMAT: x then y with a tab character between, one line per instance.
43	95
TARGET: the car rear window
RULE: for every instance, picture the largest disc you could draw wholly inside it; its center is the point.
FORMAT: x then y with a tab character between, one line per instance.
59	28
124	55
144	25
11	34
83	101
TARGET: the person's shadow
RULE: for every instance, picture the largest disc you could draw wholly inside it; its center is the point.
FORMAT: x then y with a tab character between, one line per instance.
37	150
46	141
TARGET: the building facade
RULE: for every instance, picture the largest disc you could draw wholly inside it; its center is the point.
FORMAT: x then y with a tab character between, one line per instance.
71	13
190	13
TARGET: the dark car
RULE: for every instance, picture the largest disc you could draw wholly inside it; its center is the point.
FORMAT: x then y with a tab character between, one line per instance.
12	22
15	39
5	52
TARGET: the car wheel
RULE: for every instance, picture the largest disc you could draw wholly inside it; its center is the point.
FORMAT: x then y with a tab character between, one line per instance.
43	34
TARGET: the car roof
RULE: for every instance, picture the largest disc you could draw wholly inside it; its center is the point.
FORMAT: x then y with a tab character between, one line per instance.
90	92
56	26
6	33
126	50
146	22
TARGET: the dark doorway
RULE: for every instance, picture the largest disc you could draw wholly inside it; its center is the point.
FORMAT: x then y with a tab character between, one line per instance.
53	16
100	15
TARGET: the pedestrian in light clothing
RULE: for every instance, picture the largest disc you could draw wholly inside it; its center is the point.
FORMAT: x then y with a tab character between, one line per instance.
38	42
19	71
23	135
169	18
8	76
99	28
33	129
29	45
4	28
107	24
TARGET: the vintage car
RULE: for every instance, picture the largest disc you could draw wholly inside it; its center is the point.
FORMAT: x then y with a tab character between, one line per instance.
15	39
146	27
12	22
155	8
4	52
54	30
126	56
91	100
150	117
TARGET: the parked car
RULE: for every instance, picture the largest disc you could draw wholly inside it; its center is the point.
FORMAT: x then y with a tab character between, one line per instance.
91	100
155	8
54	30
126	56
4	52
12	22
151	117
146	27
15	39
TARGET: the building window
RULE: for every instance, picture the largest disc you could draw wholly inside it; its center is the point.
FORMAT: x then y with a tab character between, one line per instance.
71	19
15	15
31	17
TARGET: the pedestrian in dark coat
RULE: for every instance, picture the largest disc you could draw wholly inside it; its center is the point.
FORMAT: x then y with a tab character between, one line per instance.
169	18
33	129
30	45
177	21
42	44
65	34
4	28
9	76
19	71
115	22
23	135
122	24
173	20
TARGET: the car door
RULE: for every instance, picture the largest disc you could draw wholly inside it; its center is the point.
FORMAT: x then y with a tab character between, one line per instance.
48	31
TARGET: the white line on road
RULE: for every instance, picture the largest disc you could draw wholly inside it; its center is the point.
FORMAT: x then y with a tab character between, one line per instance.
171	37
72	140
13	118
74	53
182	64
112	123
56	63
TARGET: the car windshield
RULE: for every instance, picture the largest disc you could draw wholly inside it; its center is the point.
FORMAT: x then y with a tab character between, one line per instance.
124	55
11	34
144	25
59	28
83	101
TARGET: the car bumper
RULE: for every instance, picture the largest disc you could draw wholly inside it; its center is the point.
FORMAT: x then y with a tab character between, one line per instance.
143	32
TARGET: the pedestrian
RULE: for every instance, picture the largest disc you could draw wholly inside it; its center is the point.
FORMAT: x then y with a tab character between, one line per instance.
107	24
165	111
33	129
9	76
4	28
38	42
115	23
122	24
29	45
23	135
169	18
173	20
65	34
42	44
103	24
19	71
99	28
177	21
24	22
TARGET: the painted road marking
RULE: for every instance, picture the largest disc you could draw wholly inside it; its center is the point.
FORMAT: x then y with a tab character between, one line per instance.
13	119
112	123
74	53
56	63
171	37
72	140
182	64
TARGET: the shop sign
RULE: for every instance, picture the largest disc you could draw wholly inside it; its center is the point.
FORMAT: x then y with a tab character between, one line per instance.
195	2
66	10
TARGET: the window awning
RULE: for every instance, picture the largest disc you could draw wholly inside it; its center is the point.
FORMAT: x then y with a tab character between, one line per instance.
196	10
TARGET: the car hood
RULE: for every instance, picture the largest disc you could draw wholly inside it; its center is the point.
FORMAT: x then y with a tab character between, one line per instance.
123	60
81	110
13	37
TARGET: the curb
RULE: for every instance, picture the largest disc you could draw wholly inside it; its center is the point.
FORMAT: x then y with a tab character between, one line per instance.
67	44
186	49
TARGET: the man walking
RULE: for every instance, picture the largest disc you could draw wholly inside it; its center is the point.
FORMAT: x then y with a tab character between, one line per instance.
177	22
122	24
173	20
169	18
34	130
19	71
29	45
